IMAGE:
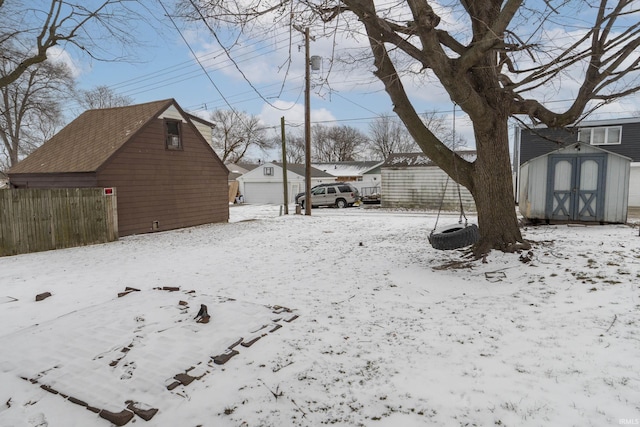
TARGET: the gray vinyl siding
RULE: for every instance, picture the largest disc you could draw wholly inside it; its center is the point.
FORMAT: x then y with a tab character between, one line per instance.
630	146
539	141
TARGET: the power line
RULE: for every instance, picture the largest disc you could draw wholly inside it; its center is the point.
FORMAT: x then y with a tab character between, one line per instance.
215	35
168	75
250	54
195	56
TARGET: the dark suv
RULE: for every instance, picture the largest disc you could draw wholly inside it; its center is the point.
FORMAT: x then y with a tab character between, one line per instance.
338	194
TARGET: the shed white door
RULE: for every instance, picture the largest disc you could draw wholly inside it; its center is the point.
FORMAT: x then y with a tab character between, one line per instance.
575	187
270	193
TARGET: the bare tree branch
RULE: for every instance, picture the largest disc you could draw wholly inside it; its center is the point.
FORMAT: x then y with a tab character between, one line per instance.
31	107
235	133
496	59
85	25
102	97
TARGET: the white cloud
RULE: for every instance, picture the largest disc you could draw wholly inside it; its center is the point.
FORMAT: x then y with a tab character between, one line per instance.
59	55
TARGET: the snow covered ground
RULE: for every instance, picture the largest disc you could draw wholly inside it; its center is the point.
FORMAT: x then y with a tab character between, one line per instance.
347	317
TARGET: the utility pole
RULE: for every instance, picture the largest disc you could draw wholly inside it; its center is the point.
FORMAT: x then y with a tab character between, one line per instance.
307	125
284	167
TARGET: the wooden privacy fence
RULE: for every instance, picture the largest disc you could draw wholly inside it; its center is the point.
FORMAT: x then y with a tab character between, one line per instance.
33	220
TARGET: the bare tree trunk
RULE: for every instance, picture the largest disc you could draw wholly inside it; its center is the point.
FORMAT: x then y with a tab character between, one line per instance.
493	192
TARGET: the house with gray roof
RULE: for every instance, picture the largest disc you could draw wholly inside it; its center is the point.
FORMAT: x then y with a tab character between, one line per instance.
265	183
366	172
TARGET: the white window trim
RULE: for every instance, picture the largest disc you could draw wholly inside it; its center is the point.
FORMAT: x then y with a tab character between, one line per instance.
589	140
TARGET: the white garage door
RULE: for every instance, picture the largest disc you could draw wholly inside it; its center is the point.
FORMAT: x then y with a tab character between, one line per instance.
263	193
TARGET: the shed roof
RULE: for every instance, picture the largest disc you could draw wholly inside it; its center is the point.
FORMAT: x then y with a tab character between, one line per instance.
300	170
354	168
420	159
92	138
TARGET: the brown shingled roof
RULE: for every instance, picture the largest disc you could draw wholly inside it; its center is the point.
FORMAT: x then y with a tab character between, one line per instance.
88	141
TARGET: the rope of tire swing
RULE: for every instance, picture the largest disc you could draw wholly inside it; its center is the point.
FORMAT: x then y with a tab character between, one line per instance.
455	172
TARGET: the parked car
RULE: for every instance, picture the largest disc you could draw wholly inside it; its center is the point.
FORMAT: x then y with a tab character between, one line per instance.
336	194
297	198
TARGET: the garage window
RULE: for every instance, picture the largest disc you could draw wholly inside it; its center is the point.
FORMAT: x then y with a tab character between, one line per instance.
268	170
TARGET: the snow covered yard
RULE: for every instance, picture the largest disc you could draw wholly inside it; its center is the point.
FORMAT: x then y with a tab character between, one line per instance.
389	331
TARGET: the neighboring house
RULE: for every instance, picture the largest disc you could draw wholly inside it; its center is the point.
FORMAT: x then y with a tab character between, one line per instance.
4	180
576	183
165	172
265	183
205	127
236	170
360	174
619	136
413	181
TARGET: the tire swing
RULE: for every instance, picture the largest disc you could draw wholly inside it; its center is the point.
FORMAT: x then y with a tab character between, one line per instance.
458	235
454	236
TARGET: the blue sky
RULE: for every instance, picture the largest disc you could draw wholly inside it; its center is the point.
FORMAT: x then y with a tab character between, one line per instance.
168	70
270	88
263	83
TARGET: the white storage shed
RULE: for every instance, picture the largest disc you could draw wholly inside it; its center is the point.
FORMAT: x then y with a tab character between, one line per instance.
413	181
577	183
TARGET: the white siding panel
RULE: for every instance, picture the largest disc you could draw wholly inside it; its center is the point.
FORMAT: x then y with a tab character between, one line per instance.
172	113
205	131
616	189
422	188
260	193
634	185
523	190
536	188
270	193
